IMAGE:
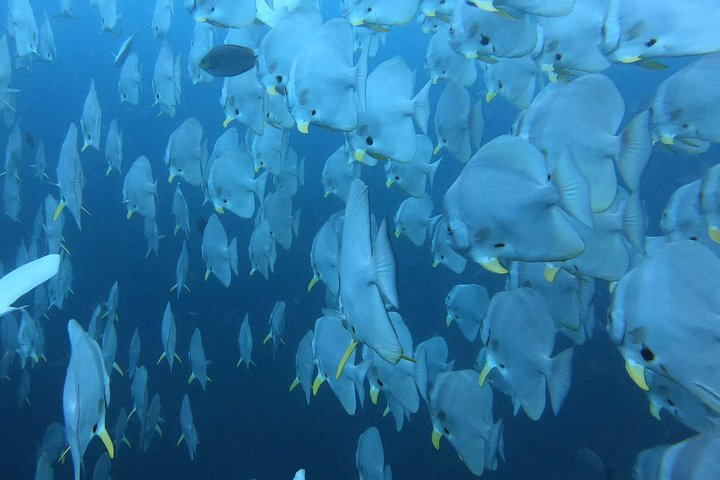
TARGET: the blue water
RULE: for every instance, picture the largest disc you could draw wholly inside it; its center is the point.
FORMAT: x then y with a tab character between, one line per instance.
249	425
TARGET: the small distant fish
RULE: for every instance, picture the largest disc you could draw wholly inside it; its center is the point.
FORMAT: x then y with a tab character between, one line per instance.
228	60
200	224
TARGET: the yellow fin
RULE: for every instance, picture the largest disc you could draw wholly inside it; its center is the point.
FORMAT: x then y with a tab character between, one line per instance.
630	59
267	338
207	275
490	96
436	436
493	265
163	355
637	373
655	410
130	214
227	121
303	127
551	272
179	441
62	455
105	437
485	372
388	183
319	380
118	369
398	233
374	394
437	149
220	210
312	283
448	320
714	233
667	139
294	384
346	356
58	210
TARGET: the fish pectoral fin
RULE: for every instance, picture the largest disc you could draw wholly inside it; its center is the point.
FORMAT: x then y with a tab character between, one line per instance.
294	384
179	440
105	437
61	459
346	356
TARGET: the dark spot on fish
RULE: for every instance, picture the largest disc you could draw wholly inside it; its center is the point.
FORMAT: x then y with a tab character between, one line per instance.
651	42
447	432
484	40
442	415
670	402
501	365
499	245
200	224
647	354
380	383
369	140
693	238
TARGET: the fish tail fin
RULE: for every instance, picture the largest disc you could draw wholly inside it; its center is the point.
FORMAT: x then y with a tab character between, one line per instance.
635	149
421	112
233	255
559	378
476	124
420	374
634	222
574	188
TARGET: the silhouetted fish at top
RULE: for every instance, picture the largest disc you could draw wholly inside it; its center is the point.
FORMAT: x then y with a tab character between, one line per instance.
228	60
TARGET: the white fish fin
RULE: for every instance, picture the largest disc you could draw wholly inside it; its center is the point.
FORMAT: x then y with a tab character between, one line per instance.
385	271
421	110
260	183
634	222
494	445
476	124
387	472
574	188
635	149
559	378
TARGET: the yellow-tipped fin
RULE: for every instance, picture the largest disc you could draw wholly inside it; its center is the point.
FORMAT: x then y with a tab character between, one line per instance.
271	90
58	210
398	233
163	355
388	183
220	210
227	121
436	436
159	430
118	369
485	5
374	394
386	411
84	147
655	410
294	384
171	178
130	214
319	380
177	357
667	139
551	272
126	442
437	149
714	233
312	283
303	127
448	320
62	455
176	230
490	96
359	155
207	275
192	377
348	351
484	373
637	373
630	59
493	265
179	441
105	437
267	338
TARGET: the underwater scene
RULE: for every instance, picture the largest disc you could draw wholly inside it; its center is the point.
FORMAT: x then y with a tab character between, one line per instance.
374	239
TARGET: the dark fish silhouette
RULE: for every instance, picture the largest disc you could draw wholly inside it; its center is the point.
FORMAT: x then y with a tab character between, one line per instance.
228	60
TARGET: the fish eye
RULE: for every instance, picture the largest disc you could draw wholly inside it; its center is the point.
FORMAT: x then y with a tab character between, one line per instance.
651	42
647	354
500	84
558	57
225	200
212	9
447	432
603	30
449	230
179	170
397	177
279	79
237	111
484	40
369	140
369	9
380	383
313	112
